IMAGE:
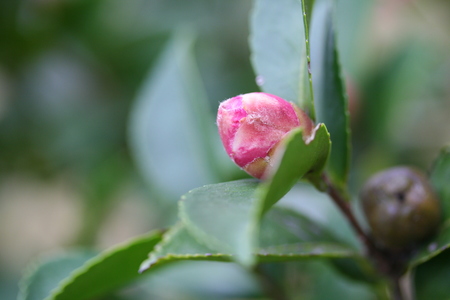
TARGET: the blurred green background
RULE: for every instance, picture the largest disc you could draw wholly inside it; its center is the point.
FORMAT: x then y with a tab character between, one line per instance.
106	107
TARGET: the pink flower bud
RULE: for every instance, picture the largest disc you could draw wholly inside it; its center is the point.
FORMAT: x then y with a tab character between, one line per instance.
252	125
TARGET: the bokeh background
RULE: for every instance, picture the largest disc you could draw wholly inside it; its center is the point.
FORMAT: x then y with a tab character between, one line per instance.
106	107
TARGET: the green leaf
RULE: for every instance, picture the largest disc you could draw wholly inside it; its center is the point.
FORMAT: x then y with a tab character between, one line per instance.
431	278
308	9
171	129
330	97
285	236
199	280
284	226
44	276
77	277
178	244
298	159
440	179
434	247
358	269
226	216
324	283
279	52
84	275
219	215
304	250
315	205
107	271
307	201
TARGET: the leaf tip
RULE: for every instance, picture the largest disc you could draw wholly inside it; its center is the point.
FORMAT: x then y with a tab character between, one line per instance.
145	265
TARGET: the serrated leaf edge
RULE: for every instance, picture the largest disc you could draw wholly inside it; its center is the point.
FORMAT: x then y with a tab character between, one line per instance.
41	260
311	106
263	255
341	251
101	257
155	259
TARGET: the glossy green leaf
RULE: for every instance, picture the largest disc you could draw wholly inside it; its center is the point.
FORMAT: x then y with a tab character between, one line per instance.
178	244
84	276
279	53
226	216
285	236
298	159
220	215
43	277
199	280
170	124
330	97
107	271
307	201
431	278
434	247
284	226
440	179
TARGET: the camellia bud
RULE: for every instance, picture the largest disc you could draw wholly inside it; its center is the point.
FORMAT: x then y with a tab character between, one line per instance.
252	125
401	207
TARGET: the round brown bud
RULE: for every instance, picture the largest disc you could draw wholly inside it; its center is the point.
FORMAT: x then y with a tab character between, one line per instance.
401	207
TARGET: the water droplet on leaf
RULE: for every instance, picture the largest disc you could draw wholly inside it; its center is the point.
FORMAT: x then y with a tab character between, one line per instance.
260	80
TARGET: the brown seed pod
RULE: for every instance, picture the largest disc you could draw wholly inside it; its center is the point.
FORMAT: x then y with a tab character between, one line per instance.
401	207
